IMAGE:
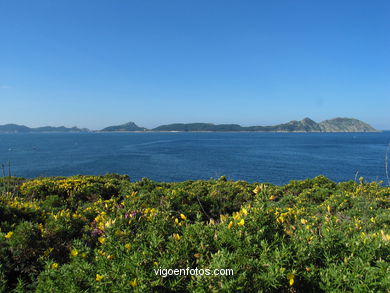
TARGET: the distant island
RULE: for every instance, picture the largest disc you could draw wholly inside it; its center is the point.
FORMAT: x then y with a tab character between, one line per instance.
14	128
305	125
130	126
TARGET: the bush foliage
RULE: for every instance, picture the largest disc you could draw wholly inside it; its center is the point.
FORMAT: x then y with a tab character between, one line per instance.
107	234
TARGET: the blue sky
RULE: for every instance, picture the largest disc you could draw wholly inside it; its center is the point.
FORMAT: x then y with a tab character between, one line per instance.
99	63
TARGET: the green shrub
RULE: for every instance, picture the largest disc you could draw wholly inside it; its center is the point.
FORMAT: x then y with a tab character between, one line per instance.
107	234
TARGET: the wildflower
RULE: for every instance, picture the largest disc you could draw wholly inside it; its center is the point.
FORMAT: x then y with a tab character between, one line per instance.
109	223
48	251
99	277
244	211
128	246
241	223
257	189
176	236
385	237
303	221
272	197
230	225
176	221
290	278
133	283
74	252
236	216
328	208
183	217
102	240
40	227
9	235
96	232
54	266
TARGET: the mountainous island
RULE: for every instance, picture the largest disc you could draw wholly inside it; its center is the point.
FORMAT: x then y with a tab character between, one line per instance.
305	125
14	128
130	126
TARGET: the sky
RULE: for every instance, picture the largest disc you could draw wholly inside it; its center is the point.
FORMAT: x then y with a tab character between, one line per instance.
102	62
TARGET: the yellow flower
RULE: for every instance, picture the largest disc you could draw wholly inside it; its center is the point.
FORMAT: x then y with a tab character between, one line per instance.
176	221
290	278
303	221
99	277
328	208
230	225
40	227
176	236
48	251
74	252
128	246
257	189
133	283
54	266
183	217
385	236
102	240
9	235
272	197
244	211
241	223
109	223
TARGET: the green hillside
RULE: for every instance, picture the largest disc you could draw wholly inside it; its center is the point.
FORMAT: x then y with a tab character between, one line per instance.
107	234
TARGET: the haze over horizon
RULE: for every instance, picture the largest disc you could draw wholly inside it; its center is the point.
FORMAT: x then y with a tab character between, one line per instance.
99	63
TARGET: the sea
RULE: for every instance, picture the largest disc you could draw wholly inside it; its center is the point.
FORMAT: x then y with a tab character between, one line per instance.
177	156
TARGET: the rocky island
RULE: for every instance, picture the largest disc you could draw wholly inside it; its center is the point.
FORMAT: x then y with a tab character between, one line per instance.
14	128
305	125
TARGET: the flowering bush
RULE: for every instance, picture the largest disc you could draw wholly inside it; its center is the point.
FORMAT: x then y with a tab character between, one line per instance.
107	234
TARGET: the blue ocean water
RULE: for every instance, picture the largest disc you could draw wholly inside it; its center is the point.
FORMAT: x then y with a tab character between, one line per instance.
255	157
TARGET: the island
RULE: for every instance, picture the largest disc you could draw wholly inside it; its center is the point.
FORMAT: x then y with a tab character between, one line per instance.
14	128
305	125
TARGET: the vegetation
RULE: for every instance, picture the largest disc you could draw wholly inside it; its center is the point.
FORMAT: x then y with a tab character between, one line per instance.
107	234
